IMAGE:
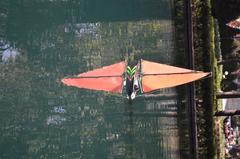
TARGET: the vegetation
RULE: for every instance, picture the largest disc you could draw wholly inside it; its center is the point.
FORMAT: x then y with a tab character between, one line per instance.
206	59
205	46
229	46
207	37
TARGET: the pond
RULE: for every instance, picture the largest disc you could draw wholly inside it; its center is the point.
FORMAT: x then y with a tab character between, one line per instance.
42	42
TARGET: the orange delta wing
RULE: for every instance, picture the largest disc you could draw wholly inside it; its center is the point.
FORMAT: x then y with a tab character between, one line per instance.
234	23
109	84
153	82
157	76
107	78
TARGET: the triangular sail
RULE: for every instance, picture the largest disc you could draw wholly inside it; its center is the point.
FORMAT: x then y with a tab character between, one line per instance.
156	76
108	78
234	23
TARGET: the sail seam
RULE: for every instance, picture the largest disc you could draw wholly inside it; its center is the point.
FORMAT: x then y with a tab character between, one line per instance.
96	76
170	73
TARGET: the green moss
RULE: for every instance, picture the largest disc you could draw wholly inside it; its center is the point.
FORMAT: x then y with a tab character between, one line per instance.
217	105
206	59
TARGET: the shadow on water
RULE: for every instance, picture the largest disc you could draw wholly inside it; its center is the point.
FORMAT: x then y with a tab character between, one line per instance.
149	126
41	118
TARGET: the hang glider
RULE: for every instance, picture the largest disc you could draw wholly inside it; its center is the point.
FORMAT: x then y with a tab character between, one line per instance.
148	76
234	23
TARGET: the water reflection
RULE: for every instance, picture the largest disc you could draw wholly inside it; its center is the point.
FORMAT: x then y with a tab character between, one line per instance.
55	120
144	131
9	54
41	118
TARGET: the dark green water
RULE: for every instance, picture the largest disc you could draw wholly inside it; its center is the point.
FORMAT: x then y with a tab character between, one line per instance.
40	118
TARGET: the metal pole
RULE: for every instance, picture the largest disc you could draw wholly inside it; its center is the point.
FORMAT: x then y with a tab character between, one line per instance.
221	95
191	88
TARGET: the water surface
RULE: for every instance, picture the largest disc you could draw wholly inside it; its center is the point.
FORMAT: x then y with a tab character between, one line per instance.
41	118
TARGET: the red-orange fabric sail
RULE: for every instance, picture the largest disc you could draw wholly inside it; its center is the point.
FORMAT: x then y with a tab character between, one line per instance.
234	23
108	78
156	76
